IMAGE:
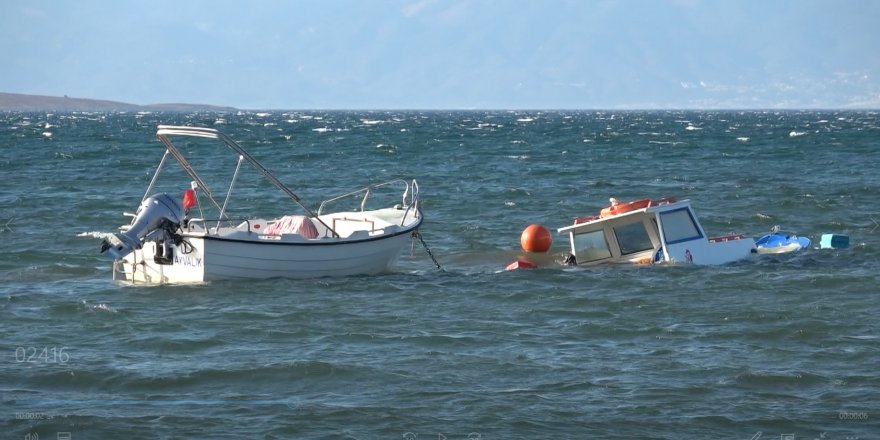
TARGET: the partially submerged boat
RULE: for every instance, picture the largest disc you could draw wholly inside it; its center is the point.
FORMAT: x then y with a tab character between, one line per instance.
163	244
780	242
650	231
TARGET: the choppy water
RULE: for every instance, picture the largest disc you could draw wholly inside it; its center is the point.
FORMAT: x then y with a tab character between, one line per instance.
778	345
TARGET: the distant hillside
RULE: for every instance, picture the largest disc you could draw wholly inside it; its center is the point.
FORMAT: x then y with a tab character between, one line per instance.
35	103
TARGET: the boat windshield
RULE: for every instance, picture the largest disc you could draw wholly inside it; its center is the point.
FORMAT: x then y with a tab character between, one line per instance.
632	238
679	226
591	246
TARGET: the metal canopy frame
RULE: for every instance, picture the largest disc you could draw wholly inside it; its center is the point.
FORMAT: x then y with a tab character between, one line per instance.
164	132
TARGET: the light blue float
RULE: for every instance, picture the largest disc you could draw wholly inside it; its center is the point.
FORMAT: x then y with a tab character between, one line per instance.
834	241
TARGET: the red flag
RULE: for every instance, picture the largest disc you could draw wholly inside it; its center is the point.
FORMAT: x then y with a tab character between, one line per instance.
189	199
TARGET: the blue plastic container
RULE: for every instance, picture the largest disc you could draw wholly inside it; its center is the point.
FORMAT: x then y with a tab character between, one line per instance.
834	241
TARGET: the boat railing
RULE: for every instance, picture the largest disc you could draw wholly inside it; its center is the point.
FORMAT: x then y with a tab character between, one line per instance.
231	222
410	196
411	193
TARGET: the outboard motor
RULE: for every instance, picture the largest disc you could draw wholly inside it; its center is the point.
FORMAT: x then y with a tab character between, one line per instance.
158	217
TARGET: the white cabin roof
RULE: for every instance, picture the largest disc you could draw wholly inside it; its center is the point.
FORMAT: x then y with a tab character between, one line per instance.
592	222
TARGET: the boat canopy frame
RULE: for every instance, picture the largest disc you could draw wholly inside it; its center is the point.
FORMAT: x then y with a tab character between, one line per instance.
165	132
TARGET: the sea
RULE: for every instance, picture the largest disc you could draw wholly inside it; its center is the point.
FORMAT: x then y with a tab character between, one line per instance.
772	347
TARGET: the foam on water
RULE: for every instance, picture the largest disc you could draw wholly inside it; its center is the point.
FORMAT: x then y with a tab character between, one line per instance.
95	234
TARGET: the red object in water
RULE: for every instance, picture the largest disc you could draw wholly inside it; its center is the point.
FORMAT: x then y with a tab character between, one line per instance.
536	238
189	199
521	264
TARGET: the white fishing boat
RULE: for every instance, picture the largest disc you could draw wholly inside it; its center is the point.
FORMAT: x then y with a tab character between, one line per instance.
163	244
650	231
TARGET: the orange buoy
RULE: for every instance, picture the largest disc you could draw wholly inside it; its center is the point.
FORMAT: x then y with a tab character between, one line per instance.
536	238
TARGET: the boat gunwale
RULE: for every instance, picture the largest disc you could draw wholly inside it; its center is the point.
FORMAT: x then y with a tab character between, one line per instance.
319	242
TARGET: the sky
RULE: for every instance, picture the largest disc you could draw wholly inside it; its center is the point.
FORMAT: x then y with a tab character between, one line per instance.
448	54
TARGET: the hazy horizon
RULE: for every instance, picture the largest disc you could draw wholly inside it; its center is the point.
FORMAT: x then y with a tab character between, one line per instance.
449	55
146	107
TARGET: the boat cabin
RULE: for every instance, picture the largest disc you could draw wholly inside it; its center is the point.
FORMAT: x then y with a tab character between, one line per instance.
648	231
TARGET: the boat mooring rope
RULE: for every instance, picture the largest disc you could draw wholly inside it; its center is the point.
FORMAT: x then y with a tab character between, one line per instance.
418	235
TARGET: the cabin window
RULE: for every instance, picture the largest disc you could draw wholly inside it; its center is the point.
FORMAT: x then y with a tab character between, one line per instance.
633	238
679	226
591	246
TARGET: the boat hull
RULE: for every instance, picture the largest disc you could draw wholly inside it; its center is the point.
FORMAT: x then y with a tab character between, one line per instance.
206	258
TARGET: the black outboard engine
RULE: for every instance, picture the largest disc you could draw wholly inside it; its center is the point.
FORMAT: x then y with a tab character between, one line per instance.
158	217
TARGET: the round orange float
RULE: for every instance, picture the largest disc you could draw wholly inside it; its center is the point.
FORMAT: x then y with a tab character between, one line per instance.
536	238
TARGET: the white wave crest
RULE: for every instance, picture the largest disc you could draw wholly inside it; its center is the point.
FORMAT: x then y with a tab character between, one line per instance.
95	234
99	307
